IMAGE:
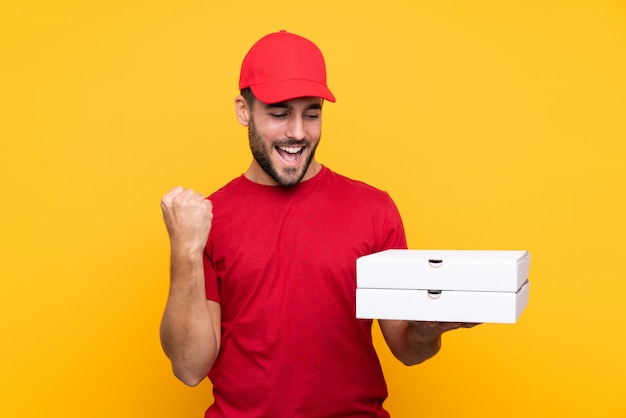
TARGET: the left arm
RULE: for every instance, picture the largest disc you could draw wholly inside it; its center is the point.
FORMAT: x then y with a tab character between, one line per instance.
413	342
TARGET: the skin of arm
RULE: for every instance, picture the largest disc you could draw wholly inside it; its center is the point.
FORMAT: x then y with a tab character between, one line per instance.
190	327
413	342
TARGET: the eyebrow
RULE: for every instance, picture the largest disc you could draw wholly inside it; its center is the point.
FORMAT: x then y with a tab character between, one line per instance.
284	105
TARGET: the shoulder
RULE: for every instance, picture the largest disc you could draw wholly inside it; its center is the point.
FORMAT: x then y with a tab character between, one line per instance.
235	185
355	187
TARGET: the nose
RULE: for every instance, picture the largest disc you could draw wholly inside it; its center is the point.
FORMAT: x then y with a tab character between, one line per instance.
295	128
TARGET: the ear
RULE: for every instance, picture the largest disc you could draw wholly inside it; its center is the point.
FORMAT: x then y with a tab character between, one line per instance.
242	110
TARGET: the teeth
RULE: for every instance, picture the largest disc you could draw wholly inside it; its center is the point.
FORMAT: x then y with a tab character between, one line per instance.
291	150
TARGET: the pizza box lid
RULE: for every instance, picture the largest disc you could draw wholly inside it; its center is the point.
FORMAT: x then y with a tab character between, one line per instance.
467	270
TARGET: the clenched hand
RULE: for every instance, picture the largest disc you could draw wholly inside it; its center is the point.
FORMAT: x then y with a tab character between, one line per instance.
188	216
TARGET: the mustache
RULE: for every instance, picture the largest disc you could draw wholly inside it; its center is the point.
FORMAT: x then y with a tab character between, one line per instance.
291	143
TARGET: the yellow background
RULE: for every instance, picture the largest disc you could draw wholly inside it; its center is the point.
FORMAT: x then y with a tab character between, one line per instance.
494	125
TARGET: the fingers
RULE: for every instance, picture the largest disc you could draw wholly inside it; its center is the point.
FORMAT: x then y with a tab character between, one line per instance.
180	203
180	195
455	325
188	218
166	200
440	327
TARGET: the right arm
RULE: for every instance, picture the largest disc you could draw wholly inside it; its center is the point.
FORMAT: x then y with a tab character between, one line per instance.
191	324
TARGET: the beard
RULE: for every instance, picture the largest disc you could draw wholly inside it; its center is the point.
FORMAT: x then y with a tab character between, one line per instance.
289	176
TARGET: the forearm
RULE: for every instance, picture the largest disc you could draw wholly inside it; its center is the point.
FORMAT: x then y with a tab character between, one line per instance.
408	344
189	330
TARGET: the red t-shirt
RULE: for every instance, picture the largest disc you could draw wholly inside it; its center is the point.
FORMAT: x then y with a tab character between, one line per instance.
282	264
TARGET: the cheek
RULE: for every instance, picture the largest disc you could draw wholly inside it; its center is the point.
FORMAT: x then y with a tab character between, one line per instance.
270	131
314	134
314	129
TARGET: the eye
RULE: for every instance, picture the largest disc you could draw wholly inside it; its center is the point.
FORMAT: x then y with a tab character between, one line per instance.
278	115
312	115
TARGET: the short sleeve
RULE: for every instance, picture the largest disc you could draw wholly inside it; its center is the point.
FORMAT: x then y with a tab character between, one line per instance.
211	281
392	234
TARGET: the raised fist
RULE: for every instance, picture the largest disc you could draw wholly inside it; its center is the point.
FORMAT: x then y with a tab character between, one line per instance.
188	217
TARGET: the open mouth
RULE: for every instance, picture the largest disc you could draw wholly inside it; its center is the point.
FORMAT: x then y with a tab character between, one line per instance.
290	155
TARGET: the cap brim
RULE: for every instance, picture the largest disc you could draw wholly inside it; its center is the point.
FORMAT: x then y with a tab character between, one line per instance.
279	91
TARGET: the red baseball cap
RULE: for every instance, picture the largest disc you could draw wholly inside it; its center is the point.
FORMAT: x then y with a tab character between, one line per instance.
282	66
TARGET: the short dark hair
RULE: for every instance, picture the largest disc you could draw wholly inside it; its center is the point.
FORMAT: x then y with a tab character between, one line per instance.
248	96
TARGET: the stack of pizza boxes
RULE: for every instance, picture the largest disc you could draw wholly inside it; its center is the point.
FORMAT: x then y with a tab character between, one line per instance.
480	286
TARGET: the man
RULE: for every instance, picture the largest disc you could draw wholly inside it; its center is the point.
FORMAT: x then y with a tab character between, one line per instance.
262	293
